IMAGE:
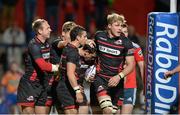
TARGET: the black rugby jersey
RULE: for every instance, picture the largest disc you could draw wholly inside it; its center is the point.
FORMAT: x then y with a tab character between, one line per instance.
36	50
70	54
111	53
56	49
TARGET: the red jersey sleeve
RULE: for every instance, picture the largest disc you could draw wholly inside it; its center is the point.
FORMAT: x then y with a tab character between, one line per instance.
138	55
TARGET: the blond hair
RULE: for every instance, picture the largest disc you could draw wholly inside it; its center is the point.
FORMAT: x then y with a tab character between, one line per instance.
114	17
67	26
37	24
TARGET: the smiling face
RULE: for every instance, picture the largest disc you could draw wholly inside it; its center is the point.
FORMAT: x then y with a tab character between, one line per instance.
66	28
115	29
114	24
45	31
66	36
82	38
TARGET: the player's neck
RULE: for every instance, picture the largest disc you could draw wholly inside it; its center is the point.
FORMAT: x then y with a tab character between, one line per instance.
81	52
41	38
75	43
110	34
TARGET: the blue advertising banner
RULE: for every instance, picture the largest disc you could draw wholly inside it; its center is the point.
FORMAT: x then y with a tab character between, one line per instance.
162	55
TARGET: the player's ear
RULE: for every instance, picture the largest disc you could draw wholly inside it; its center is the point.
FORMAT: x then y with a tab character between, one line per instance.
78	38
109	26
39	31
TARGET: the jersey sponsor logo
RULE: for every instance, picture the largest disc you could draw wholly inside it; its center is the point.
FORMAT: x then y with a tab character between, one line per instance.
30	98
105	39
109	50
47	45
140	53
165	58
46	55
130	99
100	88
118	42
84	66
161	94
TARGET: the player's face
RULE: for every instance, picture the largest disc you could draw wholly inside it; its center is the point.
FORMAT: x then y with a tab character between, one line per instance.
66	36
88	55
115	28
125	31
83	38
46	30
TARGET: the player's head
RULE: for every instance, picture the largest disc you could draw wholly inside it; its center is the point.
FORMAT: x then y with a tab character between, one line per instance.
66	28
89	51
115	21
79	34
125	29
42	28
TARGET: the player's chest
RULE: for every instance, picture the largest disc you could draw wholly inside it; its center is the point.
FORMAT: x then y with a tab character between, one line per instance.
111	47
45	51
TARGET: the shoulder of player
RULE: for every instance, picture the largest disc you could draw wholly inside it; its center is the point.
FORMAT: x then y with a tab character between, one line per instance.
100	34
70	48
57	40
34	45
125	39
135	45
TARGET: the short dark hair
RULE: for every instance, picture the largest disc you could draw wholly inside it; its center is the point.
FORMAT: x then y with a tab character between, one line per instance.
37	24
89	49
76	31
124	25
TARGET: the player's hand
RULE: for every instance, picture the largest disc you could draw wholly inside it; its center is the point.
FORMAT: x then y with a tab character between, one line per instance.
168	74
79	97
91	78
113	82
81	88
90	43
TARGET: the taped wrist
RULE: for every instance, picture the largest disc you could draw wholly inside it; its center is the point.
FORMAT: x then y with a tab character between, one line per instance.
121	75
106	102
55	68
77	89
115	108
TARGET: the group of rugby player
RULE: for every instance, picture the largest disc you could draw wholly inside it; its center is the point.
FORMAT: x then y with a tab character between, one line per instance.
54	73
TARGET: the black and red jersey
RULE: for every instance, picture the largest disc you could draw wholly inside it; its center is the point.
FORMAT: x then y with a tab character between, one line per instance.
70	54
57	50
111	53
37	59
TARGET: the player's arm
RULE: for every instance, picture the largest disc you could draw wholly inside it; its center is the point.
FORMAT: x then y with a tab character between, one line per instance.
130	61
71	67
39	60
129	66
59	43
171	72
139	58
72	59
141	68
129	58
